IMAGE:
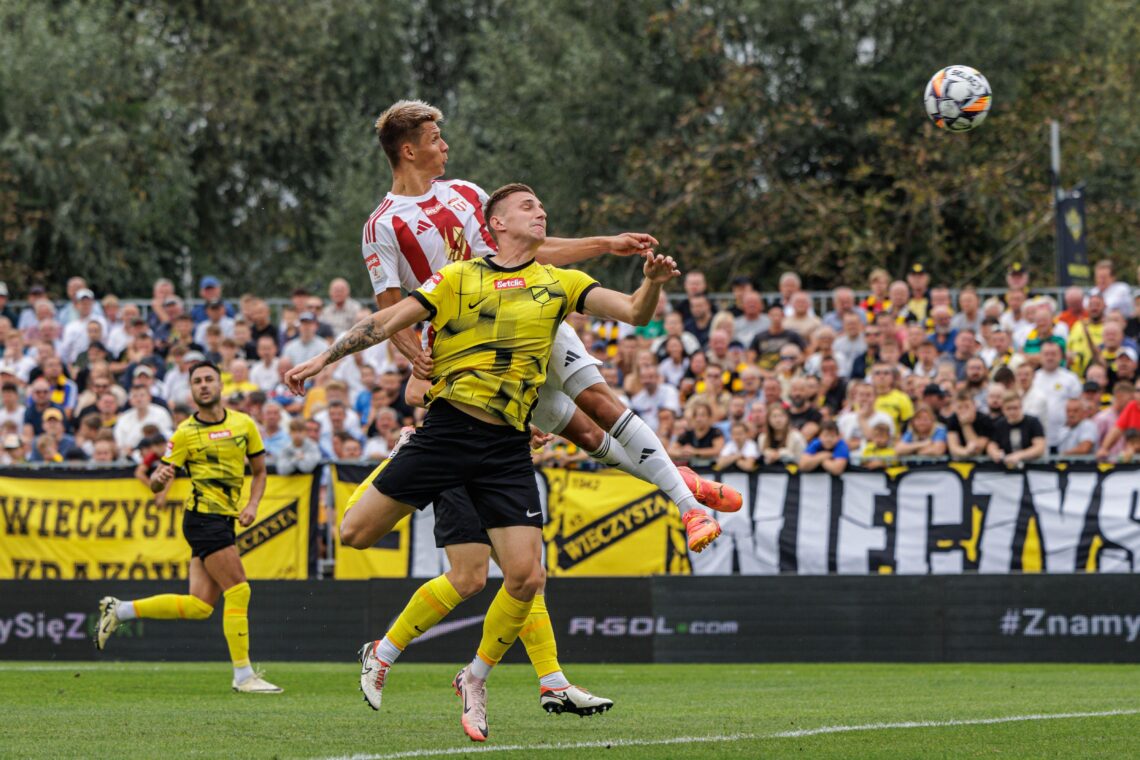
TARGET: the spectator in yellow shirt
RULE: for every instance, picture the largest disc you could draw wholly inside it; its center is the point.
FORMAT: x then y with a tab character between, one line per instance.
888	398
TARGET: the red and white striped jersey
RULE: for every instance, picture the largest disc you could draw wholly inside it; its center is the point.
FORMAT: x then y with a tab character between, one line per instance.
408	239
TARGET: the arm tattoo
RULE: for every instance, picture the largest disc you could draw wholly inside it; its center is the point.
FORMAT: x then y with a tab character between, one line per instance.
362	335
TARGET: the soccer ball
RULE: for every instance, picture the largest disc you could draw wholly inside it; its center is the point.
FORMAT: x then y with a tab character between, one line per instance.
958	98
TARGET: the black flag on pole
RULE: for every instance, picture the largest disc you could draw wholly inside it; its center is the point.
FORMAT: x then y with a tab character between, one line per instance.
1072	236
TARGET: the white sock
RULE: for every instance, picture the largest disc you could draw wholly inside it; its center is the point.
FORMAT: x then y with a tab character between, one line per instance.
479	669
242	673
648	460
125	611
611	453
555	680
387	651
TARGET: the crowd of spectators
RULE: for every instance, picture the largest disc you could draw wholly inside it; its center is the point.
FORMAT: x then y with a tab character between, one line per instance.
909	370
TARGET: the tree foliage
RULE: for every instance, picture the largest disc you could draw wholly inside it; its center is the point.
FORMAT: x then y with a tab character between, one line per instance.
749	137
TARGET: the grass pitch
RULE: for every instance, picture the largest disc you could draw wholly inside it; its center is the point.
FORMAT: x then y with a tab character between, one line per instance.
107	709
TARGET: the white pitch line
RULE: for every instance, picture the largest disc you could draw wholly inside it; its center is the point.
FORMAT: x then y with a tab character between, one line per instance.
79	665
802	733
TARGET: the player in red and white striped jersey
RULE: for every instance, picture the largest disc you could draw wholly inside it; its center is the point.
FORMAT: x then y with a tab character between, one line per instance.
424	223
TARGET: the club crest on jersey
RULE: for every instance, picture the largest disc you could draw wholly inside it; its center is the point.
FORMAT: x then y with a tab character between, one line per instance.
458	204
169	448
510	283
540	293
431	282
218	435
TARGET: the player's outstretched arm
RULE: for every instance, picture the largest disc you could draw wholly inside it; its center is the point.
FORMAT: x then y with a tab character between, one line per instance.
562	252
367	332
256	490
406	341
636	309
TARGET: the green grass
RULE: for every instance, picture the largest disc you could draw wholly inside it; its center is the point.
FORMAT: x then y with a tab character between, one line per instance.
187	710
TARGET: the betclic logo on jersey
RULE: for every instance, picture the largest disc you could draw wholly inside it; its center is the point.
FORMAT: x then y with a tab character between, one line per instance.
218	435
510	283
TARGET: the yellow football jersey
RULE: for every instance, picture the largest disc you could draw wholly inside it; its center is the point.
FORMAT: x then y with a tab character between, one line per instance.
494	327
214	454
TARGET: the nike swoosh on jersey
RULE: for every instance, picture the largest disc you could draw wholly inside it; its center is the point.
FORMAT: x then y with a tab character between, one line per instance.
533	514
473	304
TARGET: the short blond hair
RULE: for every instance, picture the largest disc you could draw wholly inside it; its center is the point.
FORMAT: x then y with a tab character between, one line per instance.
401	122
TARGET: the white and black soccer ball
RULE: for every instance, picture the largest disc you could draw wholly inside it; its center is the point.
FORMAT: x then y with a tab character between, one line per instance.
958	98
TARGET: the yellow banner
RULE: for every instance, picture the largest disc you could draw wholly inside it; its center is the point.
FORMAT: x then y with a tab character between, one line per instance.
107	526
389	558
608	523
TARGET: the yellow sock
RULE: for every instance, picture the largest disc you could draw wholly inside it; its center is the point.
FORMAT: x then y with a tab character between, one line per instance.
505	618
235	623
430	604
172	607
537	635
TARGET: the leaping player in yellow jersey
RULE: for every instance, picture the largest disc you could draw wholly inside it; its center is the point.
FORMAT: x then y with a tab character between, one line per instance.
213	446
495	320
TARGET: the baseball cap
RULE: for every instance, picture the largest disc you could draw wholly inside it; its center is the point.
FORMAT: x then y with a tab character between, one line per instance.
143	369
11	441
194	356
3	288
52	413
933	389
214	303
171	301
1091	387
917	268
308	316
83	293
7	368
1128	351
1016	268
36	289
209	281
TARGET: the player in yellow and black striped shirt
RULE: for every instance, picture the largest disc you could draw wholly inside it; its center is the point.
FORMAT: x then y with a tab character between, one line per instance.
495	319
213	446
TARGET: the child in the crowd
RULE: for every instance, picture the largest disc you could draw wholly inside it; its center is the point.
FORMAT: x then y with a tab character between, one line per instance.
827	450
739	451
879	450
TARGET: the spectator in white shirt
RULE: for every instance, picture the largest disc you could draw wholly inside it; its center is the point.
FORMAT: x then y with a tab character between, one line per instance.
300	454
76	287
844	300
1078	436
306	345
969	316
653	395
1052	387
739	450
123	332
129	427
342	312
265	372
75	334
753	321
850	344
11	407
856	424
1117	295
215	315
